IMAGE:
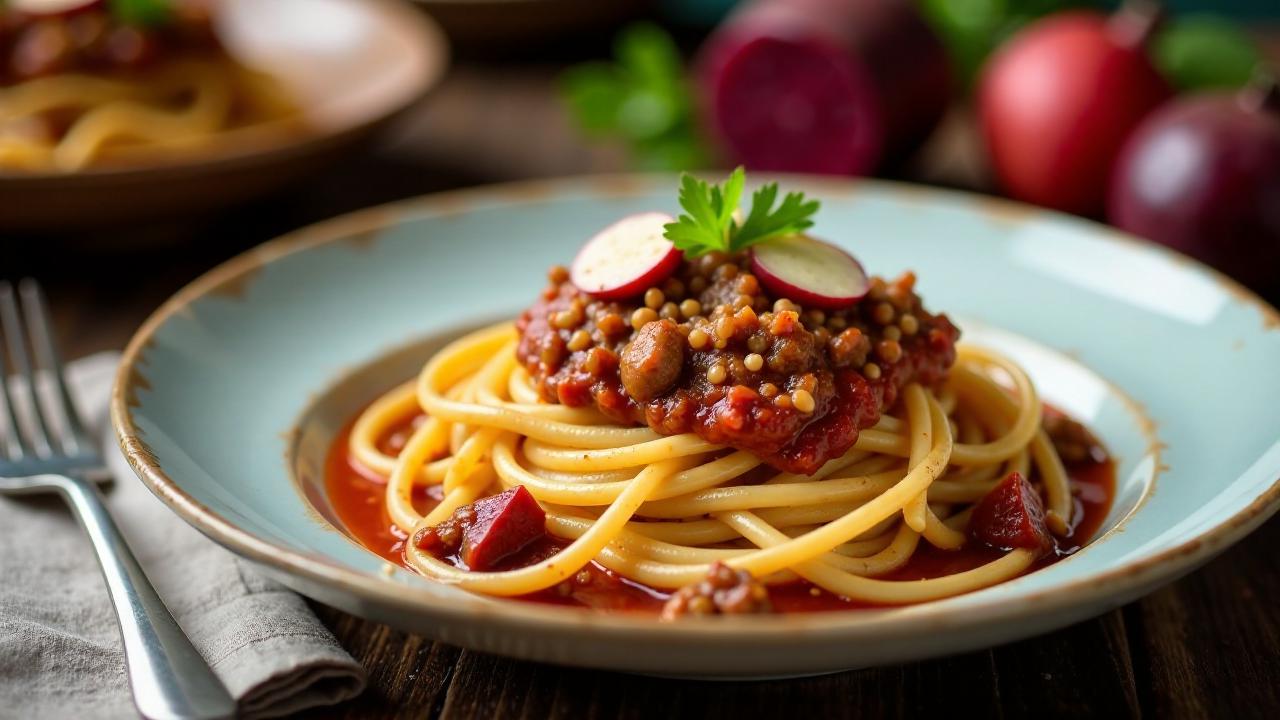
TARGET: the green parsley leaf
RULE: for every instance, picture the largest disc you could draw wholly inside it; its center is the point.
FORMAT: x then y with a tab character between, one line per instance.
700	230
708	223
764	224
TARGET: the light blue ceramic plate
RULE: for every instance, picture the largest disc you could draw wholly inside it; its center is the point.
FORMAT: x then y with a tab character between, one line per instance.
231	391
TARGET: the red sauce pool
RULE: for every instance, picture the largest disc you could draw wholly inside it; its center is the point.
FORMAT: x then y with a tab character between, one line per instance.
358	496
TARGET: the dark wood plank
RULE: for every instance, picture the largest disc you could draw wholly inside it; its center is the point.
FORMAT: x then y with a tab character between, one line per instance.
408	675
1082	670
1211	642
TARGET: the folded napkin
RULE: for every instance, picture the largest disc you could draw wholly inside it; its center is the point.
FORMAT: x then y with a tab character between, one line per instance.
60	653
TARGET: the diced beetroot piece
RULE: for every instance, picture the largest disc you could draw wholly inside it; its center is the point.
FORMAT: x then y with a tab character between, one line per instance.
504	524
1011	516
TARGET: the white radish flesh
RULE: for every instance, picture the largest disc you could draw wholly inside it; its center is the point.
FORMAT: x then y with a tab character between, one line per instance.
626	258
809	272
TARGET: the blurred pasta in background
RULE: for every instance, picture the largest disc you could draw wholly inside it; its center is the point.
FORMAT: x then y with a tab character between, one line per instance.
86	83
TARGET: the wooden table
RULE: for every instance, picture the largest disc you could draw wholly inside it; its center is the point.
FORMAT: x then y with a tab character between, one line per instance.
1206	646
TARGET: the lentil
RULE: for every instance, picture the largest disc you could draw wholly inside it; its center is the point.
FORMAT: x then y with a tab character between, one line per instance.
723	591
580	340
611	324
889	351
883	313
725	327
909	324
642	316
803	401
673	289
653	298
716	374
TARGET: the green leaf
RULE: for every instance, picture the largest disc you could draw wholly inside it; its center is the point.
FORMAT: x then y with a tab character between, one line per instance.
1204	51
708	222
649	54
699	230
764	224
643	99
594	94
145	13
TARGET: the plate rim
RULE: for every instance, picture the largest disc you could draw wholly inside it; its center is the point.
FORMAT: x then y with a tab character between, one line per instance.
1095	589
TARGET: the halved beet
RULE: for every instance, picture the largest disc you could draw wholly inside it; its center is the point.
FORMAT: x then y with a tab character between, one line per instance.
826	86
626	258
809	272
1011	516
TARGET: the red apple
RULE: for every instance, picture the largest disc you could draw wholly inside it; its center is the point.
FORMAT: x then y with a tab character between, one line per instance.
1060	98
809	272
1202	175
626	258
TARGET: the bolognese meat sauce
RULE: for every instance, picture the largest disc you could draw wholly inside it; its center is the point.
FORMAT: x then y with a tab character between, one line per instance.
711	352
93	38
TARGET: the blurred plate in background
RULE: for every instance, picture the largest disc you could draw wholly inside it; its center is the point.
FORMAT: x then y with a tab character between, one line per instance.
350	65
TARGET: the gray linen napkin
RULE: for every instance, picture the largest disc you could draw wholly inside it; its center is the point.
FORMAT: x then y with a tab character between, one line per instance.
60	654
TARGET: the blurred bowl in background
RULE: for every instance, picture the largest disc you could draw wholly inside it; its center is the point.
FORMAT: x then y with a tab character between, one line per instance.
349	65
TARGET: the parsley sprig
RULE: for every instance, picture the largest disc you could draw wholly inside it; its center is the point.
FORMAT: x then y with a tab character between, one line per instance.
710	224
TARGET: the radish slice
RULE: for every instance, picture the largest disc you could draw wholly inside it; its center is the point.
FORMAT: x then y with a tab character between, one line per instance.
626	258
51	7
809	272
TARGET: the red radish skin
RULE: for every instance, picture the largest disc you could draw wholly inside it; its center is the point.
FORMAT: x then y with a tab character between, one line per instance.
1058	101
1011	516
825	86
626	258
1202	175
809	272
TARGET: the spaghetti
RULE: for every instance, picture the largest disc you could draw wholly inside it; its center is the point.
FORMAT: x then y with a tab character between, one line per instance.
708	439
662	525
73	106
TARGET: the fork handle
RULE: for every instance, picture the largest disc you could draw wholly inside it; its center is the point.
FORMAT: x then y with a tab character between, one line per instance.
169	678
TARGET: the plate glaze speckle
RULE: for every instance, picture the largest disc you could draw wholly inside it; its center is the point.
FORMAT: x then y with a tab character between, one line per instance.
231	390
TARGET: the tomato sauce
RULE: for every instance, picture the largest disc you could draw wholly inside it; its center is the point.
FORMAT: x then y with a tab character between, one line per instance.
358	496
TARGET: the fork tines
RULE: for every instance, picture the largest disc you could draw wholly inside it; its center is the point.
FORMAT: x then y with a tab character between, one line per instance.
53	426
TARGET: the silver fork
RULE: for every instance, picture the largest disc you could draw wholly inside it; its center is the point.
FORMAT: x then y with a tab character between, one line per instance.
168	676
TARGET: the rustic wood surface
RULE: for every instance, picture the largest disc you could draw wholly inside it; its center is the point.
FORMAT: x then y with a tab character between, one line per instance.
1206	646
